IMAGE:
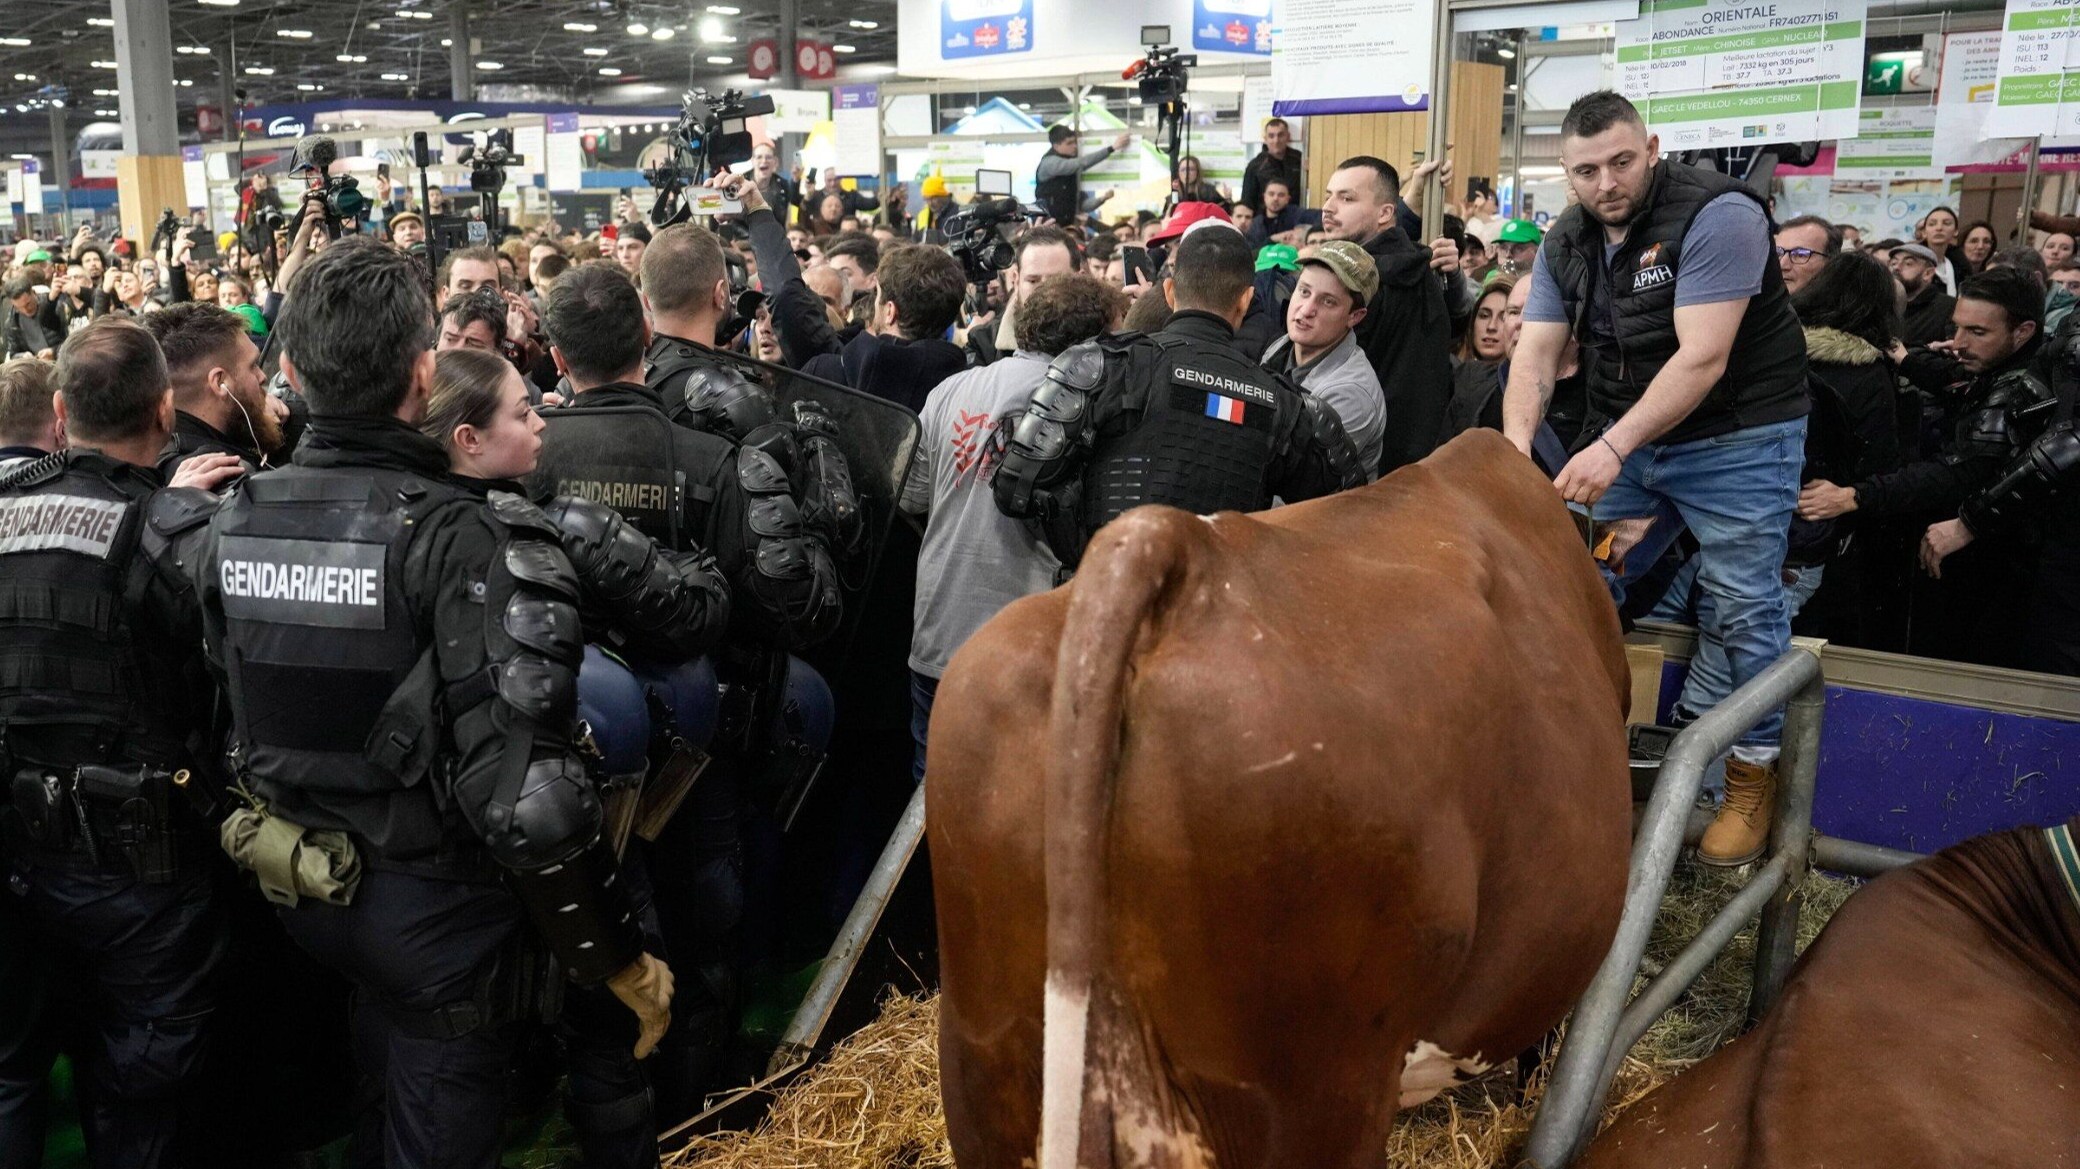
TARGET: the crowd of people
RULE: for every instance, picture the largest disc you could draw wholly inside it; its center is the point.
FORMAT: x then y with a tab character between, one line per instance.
420	518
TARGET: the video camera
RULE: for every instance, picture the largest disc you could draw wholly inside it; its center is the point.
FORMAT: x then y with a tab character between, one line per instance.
979	234
1164	72
488	163
713	132
342	200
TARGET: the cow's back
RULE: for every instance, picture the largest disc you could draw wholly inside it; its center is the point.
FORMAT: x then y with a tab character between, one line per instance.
1369	793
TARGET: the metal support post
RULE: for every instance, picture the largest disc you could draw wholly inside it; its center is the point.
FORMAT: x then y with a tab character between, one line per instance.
1791	836
1440	131
461	86
2029	193
61	166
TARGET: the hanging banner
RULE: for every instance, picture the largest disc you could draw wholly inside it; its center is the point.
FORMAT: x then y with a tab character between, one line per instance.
797	111
1735	72
984	28
2039	92
1352	56
1232	26
856	129
563	154
1890	144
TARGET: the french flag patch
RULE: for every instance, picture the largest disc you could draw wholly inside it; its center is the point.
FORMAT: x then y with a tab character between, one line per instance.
1224	408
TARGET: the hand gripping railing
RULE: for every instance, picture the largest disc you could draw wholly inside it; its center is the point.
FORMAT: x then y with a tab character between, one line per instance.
1604	1027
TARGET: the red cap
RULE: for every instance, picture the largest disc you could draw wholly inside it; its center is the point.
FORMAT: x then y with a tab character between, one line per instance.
1183	216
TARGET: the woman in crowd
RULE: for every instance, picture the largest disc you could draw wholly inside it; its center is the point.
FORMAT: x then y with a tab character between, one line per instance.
1483	343
1477	359
1938	231
828	213
1977	246
1191	183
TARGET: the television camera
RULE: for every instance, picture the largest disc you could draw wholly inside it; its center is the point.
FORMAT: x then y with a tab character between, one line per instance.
713	132
979	235
342	202
1164	75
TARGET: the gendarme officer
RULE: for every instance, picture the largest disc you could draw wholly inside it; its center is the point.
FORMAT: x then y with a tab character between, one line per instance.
108	916
1179	418
401	657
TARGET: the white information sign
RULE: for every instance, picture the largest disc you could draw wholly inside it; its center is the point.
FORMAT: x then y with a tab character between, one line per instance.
856	129
32	187
797	111
1964	96
1894	143
1711	73
2039	72
1351	56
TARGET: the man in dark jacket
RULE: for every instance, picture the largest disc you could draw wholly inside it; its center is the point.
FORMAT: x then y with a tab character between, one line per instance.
1928	306
220	399
1696	366
1280	160
1407	330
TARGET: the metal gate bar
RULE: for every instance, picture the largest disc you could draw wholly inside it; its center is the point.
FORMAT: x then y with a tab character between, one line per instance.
1589	1057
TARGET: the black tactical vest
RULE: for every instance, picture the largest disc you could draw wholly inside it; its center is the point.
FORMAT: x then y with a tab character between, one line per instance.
73	687
1765	378
662	478
307	568
1199	426
1060	195
666	366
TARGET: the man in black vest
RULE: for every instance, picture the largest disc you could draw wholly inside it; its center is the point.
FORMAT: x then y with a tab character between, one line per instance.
108	916
401	660
1696	381
220	399
1179	418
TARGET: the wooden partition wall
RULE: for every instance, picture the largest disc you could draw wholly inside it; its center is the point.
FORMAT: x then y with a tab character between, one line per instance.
1476	134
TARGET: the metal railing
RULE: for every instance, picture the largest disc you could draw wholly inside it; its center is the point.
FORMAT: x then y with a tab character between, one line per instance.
1604	1026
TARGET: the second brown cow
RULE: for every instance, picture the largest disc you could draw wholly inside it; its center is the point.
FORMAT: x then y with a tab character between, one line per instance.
1268	825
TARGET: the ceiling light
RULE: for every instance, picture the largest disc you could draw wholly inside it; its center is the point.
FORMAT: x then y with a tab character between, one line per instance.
222	3
397	77
351	59
104	64
194	50
868	24
637	28
718	60
108	93
260	71
844	49
445	42
307	87
664	33
491	66
711	28
15	42
186	84
1506	54
595	52
579	26
413	14
725	9
609	71
97	113
294	34
967	111
101	22
722	38
25	77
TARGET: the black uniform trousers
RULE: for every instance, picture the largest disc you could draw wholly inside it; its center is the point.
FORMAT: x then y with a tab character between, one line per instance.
412	944
121	975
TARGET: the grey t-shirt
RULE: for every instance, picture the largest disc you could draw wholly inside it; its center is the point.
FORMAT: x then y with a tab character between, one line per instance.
975	559
1722	256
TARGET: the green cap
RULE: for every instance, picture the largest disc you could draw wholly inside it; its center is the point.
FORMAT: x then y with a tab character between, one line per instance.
1518	231
39	256
1278	256
256	321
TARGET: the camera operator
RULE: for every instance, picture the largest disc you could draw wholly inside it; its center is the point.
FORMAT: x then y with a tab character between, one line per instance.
1042	252
1056	181
109	864
220	399
414	867
904	354
1178	418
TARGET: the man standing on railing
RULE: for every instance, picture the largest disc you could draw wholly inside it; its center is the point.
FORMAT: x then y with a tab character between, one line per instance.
1696	370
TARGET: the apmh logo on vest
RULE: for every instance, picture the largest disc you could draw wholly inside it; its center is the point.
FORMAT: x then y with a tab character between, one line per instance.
1652	272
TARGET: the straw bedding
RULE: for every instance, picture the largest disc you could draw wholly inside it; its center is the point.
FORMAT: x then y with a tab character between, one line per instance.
874	1102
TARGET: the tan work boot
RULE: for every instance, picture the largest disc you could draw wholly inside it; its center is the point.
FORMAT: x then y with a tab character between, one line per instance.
1741	830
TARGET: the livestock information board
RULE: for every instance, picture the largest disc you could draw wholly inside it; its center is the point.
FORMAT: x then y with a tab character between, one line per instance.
1708	73
2039	73
1897	143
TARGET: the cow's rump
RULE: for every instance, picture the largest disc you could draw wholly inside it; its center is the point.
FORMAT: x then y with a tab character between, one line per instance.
1330	785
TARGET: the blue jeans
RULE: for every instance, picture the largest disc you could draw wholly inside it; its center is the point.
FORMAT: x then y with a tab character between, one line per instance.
1735	493
923	690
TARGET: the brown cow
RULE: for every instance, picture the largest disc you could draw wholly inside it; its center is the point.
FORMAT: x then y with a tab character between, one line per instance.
1297	816
1936	1021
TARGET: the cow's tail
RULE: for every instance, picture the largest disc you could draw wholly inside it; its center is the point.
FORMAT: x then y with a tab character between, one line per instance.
1124	576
